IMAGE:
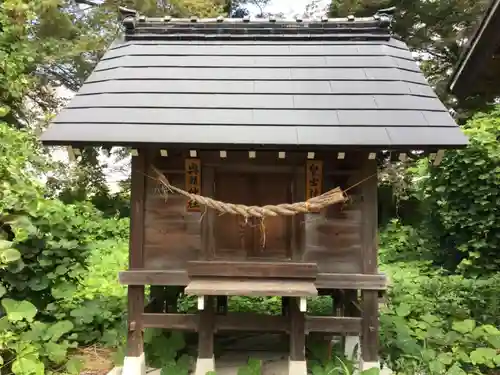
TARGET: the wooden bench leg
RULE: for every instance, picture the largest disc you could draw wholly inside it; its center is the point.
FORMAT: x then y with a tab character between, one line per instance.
206	362
297	364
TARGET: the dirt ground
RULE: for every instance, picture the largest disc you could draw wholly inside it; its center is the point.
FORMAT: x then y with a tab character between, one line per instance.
97	361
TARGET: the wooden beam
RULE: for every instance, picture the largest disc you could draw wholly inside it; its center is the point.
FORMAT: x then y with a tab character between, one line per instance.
333	324
351	281
181	322
249	269
153	277
323	280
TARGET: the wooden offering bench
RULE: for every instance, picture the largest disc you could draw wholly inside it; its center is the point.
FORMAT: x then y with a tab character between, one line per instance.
255	146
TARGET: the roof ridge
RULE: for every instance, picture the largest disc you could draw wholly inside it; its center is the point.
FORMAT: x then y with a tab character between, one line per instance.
378	24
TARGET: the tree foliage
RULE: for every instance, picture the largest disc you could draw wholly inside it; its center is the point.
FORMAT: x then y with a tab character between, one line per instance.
435	30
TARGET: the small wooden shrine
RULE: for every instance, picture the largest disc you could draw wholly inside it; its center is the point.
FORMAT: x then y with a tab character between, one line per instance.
254	161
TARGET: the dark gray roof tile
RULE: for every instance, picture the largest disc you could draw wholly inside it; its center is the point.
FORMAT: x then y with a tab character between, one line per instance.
343	136
403	53
406	64
118	133
381	118
426	136
409	101
394	74
424	90
180	100
439	118
369	87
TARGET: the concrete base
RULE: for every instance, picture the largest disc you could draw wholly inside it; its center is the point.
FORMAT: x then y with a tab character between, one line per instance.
351	348
204	365
297	367
369	365
134	365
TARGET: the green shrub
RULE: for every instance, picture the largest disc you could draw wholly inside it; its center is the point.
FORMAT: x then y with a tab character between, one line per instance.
399	243
44	259
462	200
436	324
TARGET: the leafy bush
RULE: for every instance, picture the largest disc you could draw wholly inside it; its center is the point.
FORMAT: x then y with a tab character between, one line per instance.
44	253
436	324
398	243
463	196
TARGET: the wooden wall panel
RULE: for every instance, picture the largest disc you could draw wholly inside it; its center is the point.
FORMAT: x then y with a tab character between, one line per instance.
333	236
172	234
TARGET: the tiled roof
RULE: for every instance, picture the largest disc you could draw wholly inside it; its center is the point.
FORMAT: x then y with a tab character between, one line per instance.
247	83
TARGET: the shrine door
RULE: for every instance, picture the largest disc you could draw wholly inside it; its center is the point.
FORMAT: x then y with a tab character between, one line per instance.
237	238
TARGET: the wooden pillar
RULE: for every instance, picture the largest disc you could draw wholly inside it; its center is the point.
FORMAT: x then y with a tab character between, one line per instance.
298	226
369	298
206	330
297	331
135	345
208	222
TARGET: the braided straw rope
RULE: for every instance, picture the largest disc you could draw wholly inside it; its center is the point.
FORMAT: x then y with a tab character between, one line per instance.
315	204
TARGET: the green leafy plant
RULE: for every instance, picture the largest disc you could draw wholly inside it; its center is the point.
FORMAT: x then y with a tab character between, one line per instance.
253	367
462	197
165	350
428	327
47	304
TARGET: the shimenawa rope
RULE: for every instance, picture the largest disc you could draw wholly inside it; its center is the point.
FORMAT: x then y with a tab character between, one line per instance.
315	204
